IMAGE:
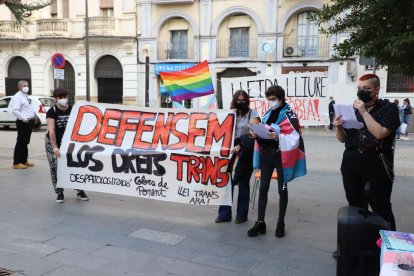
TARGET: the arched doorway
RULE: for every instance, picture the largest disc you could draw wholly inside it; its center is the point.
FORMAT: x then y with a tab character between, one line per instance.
19	69
230	73
108	72
69	82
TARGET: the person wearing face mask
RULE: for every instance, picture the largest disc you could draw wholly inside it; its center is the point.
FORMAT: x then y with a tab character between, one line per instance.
25	122
408	111
284	151
243	150
369	151
57	119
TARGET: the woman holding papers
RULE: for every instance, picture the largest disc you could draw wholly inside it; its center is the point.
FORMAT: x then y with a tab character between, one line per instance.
242	158
283	150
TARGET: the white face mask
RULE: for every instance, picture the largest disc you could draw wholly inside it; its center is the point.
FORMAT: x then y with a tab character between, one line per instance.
25	89
274	104
63	102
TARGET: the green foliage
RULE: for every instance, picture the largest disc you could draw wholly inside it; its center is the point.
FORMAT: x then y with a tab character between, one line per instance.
22	9
383	29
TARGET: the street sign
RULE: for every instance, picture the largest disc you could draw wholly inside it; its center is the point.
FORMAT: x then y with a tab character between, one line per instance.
58	74
58	61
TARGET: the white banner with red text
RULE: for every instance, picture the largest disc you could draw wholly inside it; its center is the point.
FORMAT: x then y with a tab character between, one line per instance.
177	155
306	93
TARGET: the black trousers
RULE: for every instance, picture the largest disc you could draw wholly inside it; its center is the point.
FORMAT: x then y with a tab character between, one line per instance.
271	159
24	132
368	167
331	117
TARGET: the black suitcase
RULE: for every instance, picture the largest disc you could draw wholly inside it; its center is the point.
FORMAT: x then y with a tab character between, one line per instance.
358	231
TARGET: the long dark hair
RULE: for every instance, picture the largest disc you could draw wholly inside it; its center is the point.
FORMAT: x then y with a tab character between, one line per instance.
237	94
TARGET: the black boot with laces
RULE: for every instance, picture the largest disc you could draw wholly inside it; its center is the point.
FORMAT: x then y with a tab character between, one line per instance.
259	228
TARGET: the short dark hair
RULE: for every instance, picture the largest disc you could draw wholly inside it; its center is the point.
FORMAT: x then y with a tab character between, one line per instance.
277	91
60	92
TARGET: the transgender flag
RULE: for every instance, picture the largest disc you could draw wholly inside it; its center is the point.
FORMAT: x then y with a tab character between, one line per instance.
189	83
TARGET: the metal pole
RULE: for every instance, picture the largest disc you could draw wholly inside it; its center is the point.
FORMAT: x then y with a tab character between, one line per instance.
147	61
88	88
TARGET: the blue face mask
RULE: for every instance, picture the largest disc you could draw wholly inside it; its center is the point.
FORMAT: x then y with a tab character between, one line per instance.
274	104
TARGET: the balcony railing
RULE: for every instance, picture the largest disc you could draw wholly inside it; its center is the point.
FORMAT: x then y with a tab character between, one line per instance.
52	27
181	50
102	25
10	29
309	46
240	49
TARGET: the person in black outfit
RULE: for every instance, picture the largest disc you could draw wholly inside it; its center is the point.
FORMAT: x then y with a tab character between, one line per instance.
369	152
284	130
57	118
331	112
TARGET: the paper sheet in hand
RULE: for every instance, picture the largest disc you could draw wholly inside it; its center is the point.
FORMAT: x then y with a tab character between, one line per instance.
348	116
260	131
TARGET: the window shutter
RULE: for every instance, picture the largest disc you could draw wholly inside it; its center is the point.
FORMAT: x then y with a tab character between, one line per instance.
107	4
53	7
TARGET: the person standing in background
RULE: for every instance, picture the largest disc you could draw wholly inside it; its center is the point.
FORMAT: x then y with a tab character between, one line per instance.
408	111
331	111
25	122
401	115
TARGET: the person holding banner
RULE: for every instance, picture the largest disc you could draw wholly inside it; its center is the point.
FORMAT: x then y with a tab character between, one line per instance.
282	150
241	165
369	151
57	118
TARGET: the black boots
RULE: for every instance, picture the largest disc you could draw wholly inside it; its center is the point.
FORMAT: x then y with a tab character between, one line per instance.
259	228
280	229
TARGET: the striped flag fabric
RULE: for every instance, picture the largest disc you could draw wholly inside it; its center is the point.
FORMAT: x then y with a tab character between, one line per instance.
188	83
211	104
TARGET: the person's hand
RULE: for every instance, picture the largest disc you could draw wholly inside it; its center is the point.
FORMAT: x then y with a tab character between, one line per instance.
236	149
252	134
337	121
360	106
56	151
273	135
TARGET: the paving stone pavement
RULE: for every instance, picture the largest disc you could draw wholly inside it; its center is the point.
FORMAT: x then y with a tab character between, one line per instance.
119	235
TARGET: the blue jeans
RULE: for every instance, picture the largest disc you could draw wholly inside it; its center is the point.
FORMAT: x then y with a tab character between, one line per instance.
243	174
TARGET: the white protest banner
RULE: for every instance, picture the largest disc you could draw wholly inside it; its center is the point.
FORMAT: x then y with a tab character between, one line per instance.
178	155
306	93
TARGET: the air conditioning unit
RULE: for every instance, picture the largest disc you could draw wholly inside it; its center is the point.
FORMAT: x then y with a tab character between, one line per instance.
292	52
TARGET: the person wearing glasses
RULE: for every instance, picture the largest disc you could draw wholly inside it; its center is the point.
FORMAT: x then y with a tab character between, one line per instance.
369	151
282	150
25	122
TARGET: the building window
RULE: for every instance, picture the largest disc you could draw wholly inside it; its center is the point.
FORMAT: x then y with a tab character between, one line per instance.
178	44
107	8
107	12
398	82
308	35
239	42
65	8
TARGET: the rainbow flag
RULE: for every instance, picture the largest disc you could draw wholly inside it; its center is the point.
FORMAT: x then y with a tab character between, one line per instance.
188	83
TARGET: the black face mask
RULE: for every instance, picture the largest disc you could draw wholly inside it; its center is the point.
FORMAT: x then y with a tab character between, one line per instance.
241	105
364	95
